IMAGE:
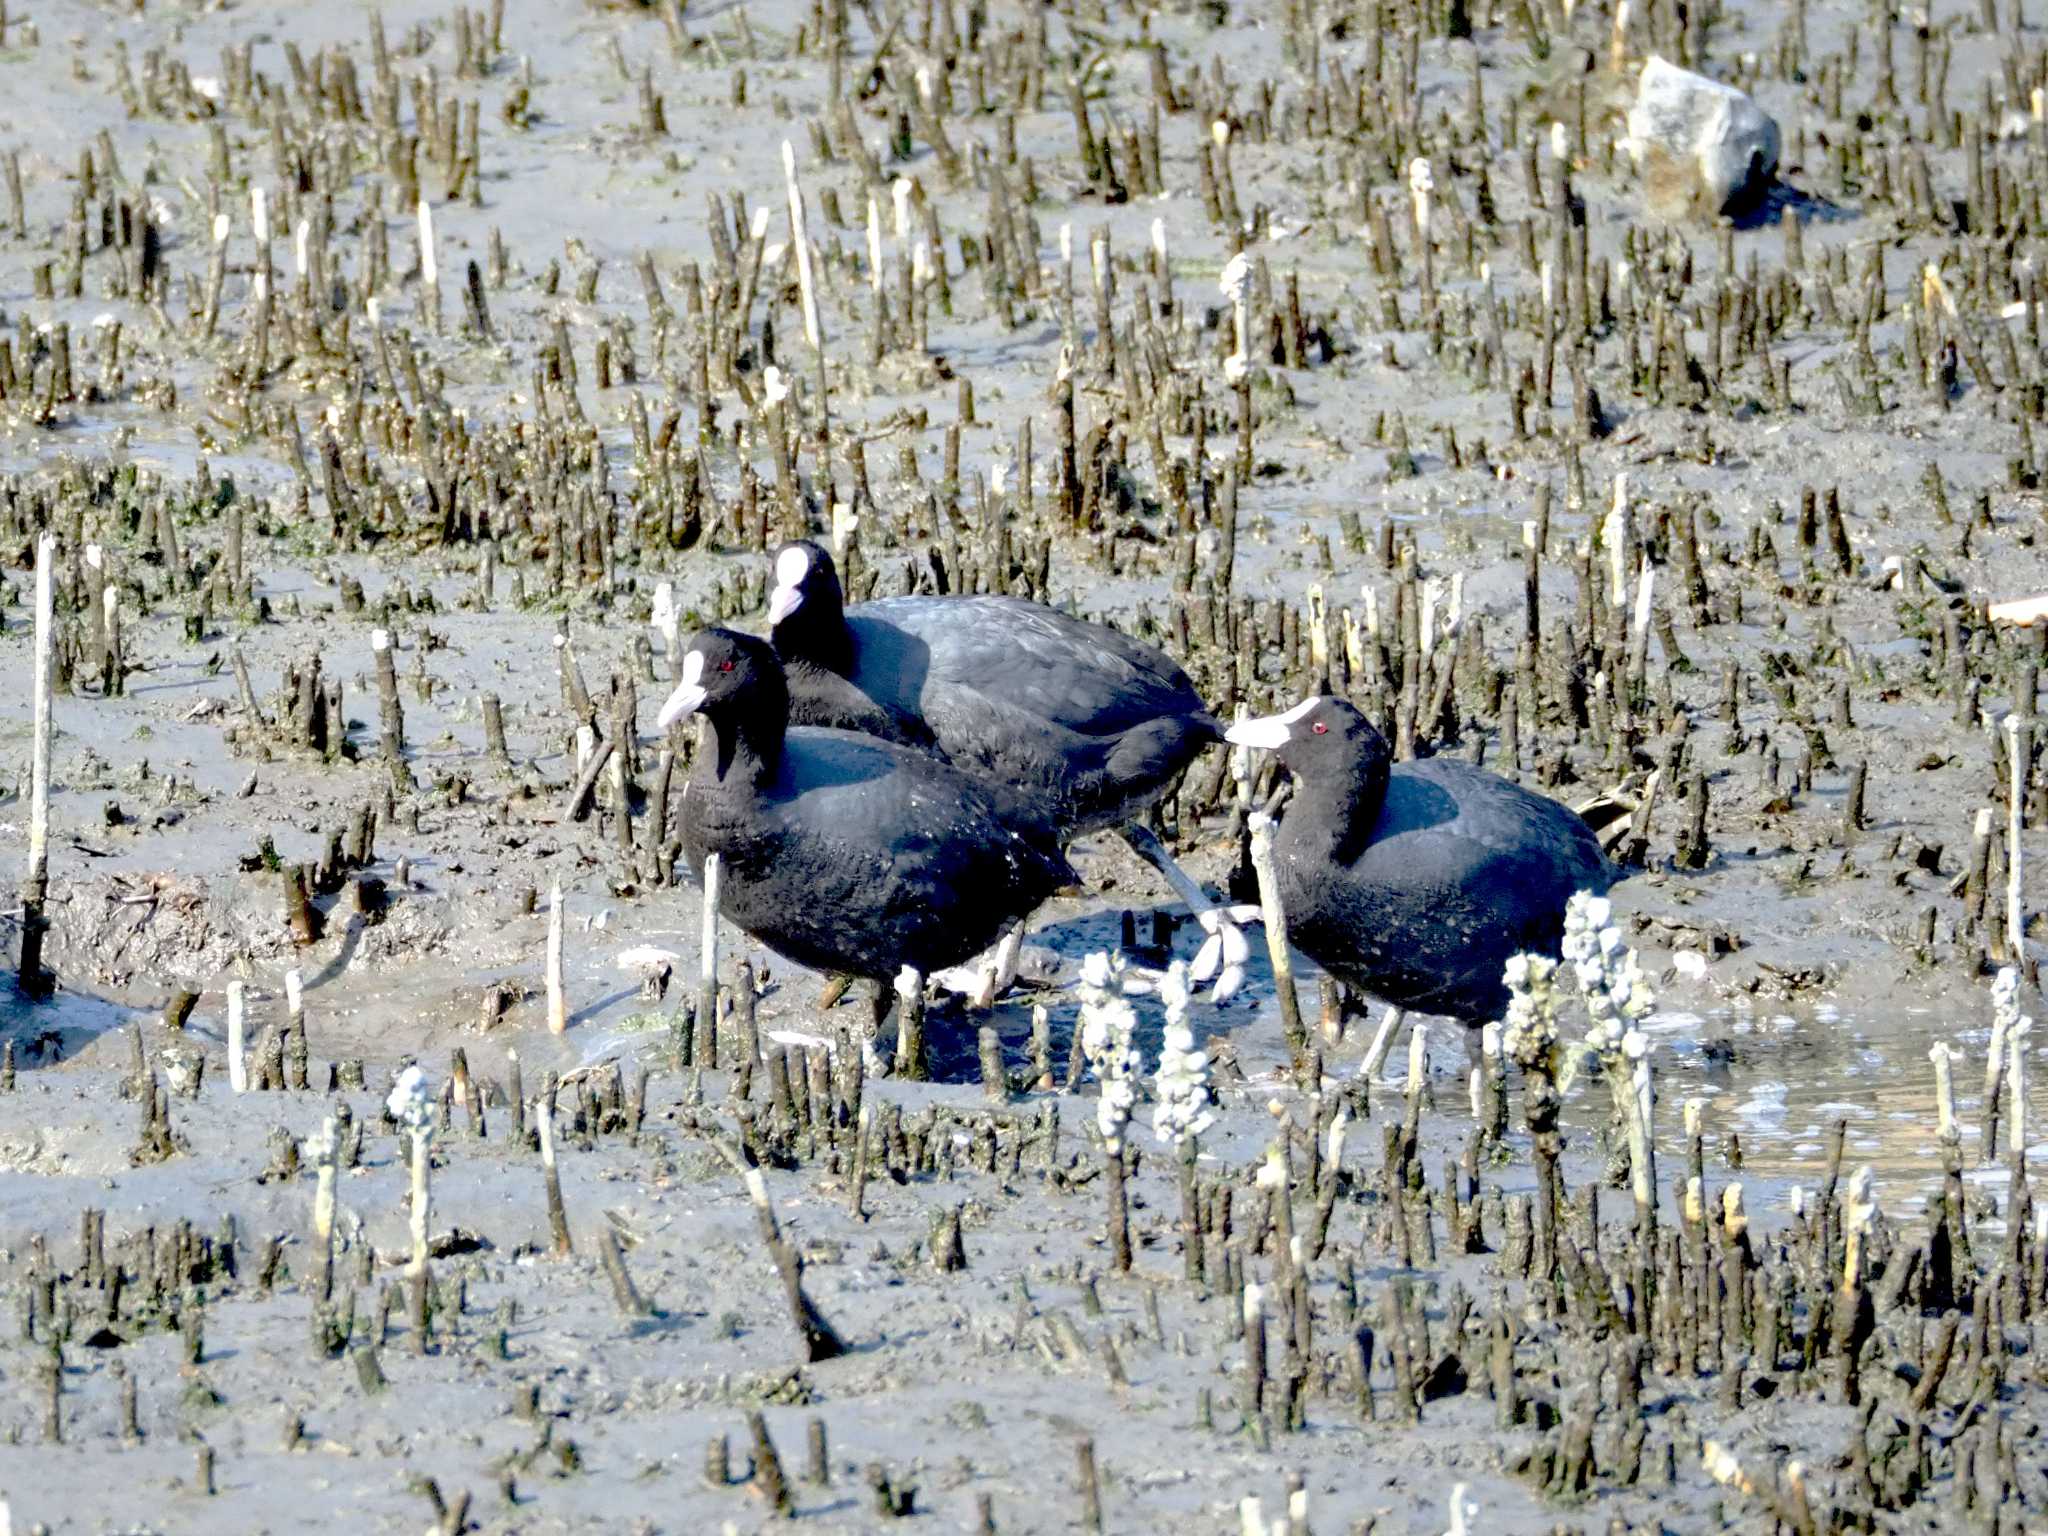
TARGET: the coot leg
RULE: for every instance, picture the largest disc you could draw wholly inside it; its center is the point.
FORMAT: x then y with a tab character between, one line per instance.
1214	919
874	1060
999	970
1144	842
1382	1042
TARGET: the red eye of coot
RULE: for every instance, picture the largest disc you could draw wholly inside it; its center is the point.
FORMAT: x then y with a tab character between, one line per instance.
1319	728
725	666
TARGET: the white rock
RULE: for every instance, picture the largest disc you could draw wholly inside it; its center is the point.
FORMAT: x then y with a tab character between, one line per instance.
1699	142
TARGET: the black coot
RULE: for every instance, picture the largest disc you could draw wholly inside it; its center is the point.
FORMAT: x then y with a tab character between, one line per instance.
1415	882
840	851
1087	724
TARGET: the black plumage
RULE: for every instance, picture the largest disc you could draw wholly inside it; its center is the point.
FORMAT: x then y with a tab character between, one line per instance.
1417	881
840	851
1088	724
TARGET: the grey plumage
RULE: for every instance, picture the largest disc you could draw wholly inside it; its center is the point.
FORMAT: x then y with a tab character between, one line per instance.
1087	723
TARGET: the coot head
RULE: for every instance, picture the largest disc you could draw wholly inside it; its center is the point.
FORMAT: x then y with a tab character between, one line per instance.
1320	738
728	675
807	609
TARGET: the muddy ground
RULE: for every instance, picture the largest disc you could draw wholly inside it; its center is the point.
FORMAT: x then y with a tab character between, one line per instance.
424	459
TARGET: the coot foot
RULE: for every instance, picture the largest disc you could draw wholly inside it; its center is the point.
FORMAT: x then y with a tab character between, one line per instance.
999	972
1223	952
1612	813
980	981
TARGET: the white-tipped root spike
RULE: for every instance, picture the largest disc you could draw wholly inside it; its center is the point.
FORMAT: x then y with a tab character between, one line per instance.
238	1065
558	1002
1464	1510
845	523
325	1145
430	271
1944	1092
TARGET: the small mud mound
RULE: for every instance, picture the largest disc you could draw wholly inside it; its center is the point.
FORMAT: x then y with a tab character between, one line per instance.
162	927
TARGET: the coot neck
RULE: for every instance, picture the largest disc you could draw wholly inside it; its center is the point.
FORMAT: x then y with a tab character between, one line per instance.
812	677
822	639
746	742
1331	815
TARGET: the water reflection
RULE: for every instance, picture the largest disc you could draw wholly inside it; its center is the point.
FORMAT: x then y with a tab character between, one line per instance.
1779	1081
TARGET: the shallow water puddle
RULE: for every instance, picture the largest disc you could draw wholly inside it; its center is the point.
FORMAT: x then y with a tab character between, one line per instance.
1775	1080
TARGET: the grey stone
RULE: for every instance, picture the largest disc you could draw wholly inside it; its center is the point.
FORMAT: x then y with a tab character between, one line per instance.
1702	145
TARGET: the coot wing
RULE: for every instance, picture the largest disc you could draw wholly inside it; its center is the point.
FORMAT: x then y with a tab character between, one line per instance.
1416	924
1085	677
1462	871
931	832
1538	843
863	856
819	697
